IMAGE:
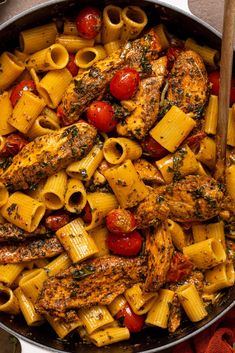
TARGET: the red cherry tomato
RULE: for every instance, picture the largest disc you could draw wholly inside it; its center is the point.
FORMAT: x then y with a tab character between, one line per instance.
214	78
87	216
88	22
172	54
101	115
124	83
195	139
25	85
13	145
153	148
71	66
132	321
120	221
57	220
128	244
180	268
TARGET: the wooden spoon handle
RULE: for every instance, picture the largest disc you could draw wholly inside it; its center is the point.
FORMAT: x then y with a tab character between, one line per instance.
225	85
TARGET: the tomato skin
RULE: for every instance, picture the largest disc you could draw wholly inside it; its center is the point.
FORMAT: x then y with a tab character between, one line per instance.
25	85
195	139
101	115
71	66
172	54
57	220
128	244
132	321
13	145
153	148
87	216
88	22
180	268
124	83
214	78
120	221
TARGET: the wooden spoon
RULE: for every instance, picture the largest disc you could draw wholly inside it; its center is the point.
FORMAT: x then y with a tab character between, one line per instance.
225	85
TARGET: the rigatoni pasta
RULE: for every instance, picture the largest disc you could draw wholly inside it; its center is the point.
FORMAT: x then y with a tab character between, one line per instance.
11	69
6	111
112	23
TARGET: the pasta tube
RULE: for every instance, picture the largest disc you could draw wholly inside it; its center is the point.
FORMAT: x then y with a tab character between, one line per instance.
174	127
43	125
159	313
86	57
139	301
11	68
211	115
54	191
117	304
70	27
112	23
100	204
73	42
128	188
26	110
8	301
231	127
60	263
207	152
100	234
206	254
219	277
35	39
179	238
6	111
9	272
117	150
32	283
23	211
62	328
75	196
4	194
111	47
109	336
161	31
191	302
74	238
95	317
134	19
230	181
206	231
210	56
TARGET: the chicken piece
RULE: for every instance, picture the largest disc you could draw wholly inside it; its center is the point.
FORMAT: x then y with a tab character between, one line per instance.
29	250
174	320
96	281
188	83
147	101
92	84
48	154
194	198
159	250
148	172
10	232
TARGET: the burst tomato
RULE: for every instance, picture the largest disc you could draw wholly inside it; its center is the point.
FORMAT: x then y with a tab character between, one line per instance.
172	54
124	83
86	214
128	244
120	221
180	268
214	78
25	85
13	145
153	148
101	115
71	66
132	321
88	22
57	220
195	139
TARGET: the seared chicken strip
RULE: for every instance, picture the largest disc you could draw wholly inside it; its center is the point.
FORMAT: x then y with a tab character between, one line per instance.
147	102
195	198
96	281
91	84
148	172
159	250
29	250
10	232
188	83
48	154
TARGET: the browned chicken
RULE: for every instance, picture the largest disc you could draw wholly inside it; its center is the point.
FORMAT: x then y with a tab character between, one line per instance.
148	172
10	232
159	250
188	83
194	198
29	250
91	84
147	102
48	154
94	281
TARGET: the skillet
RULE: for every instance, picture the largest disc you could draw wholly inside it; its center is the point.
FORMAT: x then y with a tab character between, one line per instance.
36	339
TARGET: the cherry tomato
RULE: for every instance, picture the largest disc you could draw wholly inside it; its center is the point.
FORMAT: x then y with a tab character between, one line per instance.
62	116
128	244
101	115
124	83
13	145
120	221
153	148
86	214
71	66
57	220
88	22
132	321
214	78
25	85
172	54
180	268
195	139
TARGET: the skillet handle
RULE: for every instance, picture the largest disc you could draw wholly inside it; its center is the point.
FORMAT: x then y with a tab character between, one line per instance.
27	347
180	4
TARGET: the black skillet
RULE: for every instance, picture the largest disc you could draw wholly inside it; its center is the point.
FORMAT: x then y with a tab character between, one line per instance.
183	24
